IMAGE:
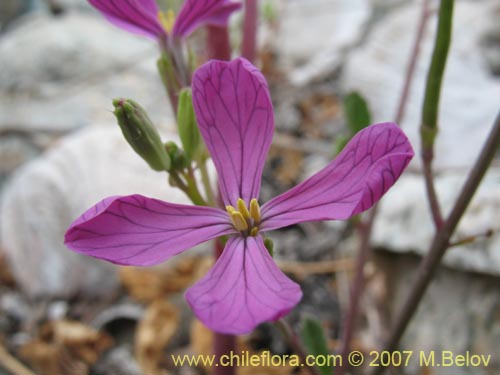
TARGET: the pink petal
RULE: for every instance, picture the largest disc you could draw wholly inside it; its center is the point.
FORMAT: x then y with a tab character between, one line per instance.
243	289
140	231
136	16
235	115
198	13
367	167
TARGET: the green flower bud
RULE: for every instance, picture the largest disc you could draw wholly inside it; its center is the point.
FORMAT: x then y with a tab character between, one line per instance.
141	134
188	127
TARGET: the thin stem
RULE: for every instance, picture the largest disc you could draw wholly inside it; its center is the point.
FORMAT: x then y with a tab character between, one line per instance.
218	45
430	110
410	70
356	290
440	243
193	191
471	239
367	227
296	345
427	157
249	43
432	96
205	178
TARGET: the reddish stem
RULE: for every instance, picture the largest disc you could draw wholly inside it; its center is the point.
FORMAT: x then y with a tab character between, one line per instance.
248	46
367	226
218	45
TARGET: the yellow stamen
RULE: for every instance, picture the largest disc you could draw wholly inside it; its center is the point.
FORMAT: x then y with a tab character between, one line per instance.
255	210
254	231
239	221
167	20
242	207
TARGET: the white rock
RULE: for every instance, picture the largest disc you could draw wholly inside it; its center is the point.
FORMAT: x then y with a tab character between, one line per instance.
470	97
46	195
313	34
66	70
404	223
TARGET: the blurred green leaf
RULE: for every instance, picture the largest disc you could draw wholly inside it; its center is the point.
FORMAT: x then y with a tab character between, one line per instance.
340	142
269	244
315	342
356	112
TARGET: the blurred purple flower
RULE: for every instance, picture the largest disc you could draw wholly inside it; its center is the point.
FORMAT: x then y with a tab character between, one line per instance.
145	18
245	287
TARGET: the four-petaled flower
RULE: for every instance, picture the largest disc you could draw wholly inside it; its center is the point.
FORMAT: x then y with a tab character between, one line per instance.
245	287
145	18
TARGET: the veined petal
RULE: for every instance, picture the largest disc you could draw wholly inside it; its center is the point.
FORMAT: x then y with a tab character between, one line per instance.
136	16
140	231
235	115
197	13
243	289
367	167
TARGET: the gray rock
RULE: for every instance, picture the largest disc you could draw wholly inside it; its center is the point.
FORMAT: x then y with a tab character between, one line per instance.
9	9
46	195
469	101
458	313
82	63
404	223
314	34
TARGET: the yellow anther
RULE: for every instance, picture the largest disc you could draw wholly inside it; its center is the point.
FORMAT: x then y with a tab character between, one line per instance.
254	231
239	221
167	20
230	209
242	207
255	210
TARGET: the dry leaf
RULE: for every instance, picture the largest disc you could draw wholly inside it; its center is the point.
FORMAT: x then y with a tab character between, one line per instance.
6	277
290	163
149	284
319	110
65	348
153	334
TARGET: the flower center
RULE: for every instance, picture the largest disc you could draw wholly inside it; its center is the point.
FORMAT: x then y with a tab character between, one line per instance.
167	20
245	220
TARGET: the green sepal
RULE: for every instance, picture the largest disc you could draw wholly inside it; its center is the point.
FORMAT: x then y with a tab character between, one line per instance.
315	342
356	112
141	134
188	127
178	160
167	73
269	244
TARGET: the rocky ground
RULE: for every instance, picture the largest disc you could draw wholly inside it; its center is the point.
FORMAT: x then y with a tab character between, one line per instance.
66	314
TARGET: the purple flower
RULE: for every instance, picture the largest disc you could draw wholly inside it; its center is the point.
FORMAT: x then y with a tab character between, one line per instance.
245	287
145	18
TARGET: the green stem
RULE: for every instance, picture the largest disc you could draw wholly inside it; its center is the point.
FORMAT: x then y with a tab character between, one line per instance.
192	189
205	178
430	108
429	127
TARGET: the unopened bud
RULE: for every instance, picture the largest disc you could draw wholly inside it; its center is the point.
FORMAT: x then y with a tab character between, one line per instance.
187	125
141	134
